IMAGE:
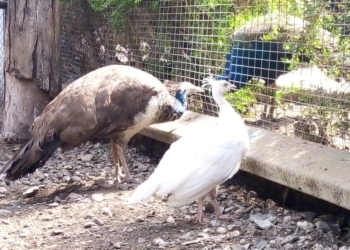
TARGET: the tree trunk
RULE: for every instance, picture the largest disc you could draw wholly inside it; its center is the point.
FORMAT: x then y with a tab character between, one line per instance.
31	63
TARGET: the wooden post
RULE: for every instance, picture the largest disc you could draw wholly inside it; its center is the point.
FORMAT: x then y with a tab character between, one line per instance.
31	63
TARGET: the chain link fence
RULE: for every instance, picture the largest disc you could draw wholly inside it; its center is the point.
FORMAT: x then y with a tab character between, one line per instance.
289	59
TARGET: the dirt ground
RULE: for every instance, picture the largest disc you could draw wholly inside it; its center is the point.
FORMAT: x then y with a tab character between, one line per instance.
78	206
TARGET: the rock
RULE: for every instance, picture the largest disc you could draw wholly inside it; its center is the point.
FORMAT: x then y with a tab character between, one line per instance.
161	243
170	220
106	211
326	226
24	234
289	239
215	223
143	167
86	158
46	218
221	230
117	245
344	248
69	167
100	180
238	247
261	220
39	176
30	192
3	190
73	197
305	225
53	204
288	246
15	203
242	241
67	179
98	222
65	172
89	216
5	212
76	178
187	236
89	224
97	197
57	232
235	233
232	227
287	219
261	244
94	228
85	200
308	215
251	194
140	218
228	209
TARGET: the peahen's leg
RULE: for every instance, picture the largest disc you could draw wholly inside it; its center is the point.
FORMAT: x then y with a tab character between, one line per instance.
116	155
123	163
213	193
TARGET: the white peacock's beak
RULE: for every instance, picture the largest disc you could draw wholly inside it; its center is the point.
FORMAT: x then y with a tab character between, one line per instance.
233	87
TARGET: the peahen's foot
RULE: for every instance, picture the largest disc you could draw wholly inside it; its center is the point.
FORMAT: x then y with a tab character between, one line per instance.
123	178
227	217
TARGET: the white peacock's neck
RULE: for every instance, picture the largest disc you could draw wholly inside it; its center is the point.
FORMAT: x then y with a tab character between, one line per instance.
220	99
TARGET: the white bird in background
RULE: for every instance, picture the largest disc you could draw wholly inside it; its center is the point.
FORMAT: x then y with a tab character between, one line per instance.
197	163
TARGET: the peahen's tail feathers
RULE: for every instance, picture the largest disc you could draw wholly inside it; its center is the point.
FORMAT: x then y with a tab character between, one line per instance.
31	156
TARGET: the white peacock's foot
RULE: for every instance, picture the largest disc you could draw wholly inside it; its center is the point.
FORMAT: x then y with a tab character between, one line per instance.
202	220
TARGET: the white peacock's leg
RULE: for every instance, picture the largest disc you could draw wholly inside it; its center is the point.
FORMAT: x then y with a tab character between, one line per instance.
213	193
199	216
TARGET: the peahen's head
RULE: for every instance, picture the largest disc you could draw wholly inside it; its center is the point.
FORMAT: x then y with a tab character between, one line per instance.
185	89
218	87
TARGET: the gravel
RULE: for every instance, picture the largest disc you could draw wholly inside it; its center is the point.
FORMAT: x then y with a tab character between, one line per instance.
73	202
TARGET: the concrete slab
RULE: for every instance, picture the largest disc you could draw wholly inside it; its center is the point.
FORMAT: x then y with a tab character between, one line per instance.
311	168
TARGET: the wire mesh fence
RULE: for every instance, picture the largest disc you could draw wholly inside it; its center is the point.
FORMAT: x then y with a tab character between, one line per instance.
289	59
2	58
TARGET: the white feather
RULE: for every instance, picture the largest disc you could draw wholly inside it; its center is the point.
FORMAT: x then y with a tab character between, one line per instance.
199	161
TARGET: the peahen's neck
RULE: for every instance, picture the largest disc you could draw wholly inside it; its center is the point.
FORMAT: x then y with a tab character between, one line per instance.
180	102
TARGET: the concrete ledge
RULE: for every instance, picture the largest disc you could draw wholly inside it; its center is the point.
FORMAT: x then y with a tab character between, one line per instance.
311	168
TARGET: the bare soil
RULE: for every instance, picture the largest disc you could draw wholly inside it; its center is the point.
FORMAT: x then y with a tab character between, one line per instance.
78	206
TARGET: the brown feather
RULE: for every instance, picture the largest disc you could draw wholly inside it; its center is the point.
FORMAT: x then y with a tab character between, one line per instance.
102	103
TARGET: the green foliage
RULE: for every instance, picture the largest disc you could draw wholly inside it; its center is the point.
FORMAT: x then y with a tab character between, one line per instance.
206	26
244	98
116	11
